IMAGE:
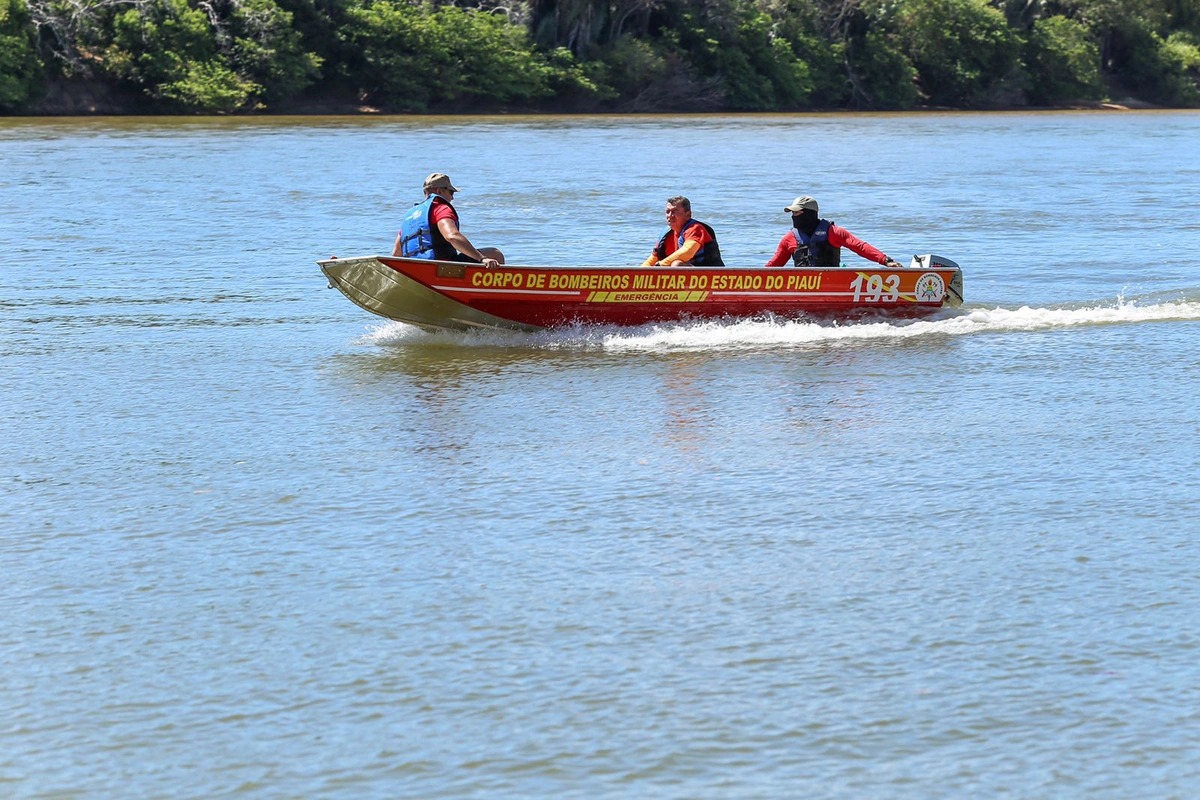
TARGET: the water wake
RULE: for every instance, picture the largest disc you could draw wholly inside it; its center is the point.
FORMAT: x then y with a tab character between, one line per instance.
777	332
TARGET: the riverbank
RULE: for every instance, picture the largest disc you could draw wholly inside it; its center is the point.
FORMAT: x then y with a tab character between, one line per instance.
81	98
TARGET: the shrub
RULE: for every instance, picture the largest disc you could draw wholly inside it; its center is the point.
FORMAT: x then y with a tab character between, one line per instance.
1063	61
20	67
1177	75
418	56
884	77
210	86
266	50
964	52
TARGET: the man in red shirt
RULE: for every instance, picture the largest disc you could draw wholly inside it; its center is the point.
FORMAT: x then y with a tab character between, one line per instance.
430	229
688	242
816	242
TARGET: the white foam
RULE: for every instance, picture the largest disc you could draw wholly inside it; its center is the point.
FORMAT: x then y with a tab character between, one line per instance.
776	332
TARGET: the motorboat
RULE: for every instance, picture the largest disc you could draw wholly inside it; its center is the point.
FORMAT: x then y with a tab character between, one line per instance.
452	295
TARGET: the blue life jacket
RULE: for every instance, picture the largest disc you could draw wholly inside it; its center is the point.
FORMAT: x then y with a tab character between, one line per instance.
419	237
815	250
707	256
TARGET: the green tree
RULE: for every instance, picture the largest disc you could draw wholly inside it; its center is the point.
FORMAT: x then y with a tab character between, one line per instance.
171	51
1181	52
879	70
20	67
193	55
1063	61
760	69
1121	26
1165	71
632	65
588	28
650	55
964	52
417	57
819	34
1184	15
265	50
883	75
738	55
209	86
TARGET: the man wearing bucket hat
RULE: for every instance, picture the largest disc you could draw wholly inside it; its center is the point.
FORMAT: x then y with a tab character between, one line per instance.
816	242
430	229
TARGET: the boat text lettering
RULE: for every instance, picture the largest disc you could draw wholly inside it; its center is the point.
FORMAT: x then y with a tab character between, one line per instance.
496	278
591	282
801	282
508	279
679	296
876	288
867	287
661	282
737	282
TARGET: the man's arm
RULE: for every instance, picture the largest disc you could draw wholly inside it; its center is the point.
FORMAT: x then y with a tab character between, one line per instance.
683	255
461	243
840	237
695	238
787	246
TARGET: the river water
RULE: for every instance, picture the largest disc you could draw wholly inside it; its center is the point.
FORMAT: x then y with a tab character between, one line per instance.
259	544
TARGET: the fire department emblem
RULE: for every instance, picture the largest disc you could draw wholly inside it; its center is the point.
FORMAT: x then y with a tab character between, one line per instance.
930	288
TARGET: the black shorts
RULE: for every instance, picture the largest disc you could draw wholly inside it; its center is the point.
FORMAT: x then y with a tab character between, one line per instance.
465	259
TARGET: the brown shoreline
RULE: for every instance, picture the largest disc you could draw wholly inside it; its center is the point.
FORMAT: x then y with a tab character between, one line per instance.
97	98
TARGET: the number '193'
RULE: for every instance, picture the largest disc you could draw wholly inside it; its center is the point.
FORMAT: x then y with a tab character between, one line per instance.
876	288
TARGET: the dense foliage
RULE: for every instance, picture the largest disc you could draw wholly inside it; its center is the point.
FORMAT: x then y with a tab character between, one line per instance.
625	55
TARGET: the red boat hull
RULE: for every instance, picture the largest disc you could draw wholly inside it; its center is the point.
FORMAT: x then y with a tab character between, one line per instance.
438	294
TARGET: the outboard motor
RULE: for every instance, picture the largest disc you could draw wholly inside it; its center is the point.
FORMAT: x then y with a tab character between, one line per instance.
954	290
931	261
